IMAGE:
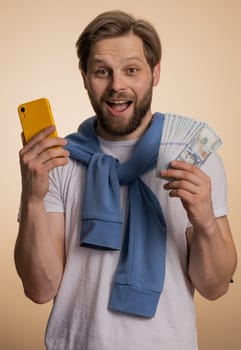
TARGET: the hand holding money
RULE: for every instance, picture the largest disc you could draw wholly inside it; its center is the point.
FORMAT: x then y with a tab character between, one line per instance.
193	187
185	139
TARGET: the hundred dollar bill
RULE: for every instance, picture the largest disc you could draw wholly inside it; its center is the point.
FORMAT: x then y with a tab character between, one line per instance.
202	144
186	139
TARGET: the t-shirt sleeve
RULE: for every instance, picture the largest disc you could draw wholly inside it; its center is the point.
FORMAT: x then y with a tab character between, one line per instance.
54	198
215	170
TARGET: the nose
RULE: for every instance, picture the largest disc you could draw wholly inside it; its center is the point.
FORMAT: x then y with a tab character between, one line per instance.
117	82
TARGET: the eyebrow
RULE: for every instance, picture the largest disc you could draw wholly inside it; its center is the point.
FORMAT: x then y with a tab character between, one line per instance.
98	60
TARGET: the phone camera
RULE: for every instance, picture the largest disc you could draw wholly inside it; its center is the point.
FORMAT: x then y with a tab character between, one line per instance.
23	109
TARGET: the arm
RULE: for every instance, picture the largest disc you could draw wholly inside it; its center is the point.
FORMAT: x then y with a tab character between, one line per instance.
212	255
212	259
39	250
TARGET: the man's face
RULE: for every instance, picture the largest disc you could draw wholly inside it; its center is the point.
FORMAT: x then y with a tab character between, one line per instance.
119	82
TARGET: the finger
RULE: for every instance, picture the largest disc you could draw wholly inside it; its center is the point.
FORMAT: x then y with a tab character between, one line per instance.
32	150
179	174
55	162
23	139
39	137
51	153
182	185
47	161
186	197
189	167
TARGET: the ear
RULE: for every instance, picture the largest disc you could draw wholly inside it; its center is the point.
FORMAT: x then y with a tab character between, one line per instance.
84	80
156	74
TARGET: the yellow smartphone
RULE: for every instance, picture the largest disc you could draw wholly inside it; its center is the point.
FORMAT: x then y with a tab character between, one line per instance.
35	116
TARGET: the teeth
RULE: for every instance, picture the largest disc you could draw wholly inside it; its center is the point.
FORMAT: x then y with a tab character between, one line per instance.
118	102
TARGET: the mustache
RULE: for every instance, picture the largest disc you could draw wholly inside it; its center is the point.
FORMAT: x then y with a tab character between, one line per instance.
118	96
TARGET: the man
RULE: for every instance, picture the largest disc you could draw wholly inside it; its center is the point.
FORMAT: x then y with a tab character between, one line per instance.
120	286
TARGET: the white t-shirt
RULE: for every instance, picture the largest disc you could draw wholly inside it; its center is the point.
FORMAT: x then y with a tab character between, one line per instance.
80	319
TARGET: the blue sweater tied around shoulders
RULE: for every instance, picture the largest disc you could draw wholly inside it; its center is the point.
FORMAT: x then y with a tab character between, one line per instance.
140	271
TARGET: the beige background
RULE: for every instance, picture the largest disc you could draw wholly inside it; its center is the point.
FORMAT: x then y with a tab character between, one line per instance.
201	77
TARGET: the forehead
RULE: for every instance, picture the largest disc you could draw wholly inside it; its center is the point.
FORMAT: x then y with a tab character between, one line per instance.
118	48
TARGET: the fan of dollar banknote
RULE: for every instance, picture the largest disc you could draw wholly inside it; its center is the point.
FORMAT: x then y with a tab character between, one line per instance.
186	139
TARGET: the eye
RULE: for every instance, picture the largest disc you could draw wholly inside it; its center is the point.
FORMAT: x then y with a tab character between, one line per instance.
102	72
132	70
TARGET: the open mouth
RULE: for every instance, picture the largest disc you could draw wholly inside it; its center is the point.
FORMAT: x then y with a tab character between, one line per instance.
119	106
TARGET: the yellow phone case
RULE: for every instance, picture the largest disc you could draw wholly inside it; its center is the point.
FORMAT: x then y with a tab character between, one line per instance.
35	116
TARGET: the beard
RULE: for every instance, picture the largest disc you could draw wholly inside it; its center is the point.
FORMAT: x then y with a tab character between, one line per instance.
120	126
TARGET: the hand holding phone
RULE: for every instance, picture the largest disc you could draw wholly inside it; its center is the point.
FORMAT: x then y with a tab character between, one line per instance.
44	153
35	116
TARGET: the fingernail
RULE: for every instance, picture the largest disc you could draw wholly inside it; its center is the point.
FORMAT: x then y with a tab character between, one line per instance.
173	163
